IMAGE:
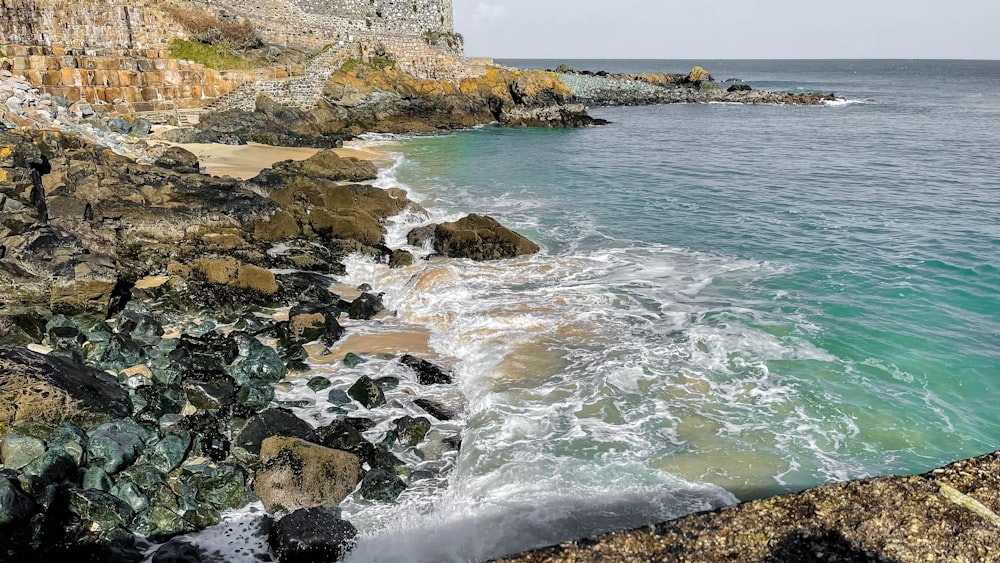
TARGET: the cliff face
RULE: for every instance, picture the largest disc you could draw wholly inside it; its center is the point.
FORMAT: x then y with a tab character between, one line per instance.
116	52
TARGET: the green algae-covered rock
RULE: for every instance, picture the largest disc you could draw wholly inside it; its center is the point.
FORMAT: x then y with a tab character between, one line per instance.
319	383
116	445
101	515
131	494
159	523
18	450
255	395
353	360
410	431
382	485
203	517
225	488
367	392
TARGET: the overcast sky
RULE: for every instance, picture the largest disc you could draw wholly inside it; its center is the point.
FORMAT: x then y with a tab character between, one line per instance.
730	29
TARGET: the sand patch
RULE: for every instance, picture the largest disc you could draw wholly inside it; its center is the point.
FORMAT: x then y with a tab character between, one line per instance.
413	340
247	161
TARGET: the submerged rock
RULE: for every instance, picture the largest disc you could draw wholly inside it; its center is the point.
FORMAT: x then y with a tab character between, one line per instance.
427	372
367	392
365	307
382	485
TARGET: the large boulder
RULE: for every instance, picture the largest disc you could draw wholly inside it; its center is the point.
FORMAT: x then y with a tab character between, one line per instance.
297	474
39	388
480	238
311	536
328	165
272	422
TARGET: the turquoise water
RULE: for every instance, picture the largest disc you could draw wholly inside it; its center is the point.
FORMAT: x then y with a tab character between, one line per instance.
731	301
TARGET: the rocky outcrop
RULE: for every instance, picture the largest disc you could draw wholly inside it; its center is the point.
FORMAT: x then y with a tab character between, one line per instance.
39	388
698	86
476	236
949	514
296	474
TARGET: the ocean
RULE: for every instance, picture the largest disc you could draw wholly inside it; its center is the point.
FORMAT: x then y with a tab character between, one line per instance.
731	302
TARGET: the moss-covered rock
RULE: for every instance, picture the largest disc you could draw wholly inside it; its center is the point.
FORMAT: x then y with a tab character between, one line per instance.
297	474
480	238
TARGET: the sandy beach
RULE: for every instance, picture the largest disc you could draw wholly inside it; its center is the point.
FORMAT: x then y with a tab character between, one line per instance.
246	161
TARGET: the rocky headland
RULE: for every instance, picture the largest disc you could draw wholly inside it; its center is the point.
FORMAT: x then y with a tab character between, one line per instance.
698	86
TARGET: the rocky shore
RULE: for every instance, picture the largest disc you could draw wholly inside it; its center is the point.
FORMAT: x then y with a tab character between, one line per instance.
157	327
698	86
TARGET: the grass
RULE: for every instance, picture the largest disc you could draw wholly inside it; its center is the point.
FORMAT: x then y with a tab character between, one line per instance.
212	56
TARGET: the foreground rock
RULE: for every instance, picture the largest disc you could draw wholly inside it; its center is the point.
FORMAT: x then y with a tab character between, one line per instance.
311	536
698	86
39	388
949	514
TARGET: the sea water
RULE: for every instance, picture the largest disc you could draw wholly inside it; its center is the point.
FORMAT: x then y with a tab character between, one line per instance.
730	302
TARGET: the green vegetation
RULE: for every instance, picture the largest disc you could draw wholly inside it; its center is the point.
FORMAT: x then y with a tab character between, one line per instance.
380	62
436	38
210	29
212	56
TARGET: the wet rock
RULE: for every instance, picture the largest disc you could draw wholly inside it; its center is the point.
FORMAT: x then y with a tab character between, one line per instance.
212	395
387	383
273	422
361	424
101	516
179	551
209	352
307	323
35	387
427	372
97	478
400	258
297	474
328	165
353	360
365	307
435	409
70	439
382	485
338	397
168	453
318	383
367	392
311	536
143	328
480	238
115	445
410	431
339	435
159	523
422	237
53	466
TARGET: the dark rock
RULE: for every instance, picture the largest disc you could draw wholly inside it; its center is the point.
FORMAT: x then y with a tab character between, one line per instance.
273	422
120	125
307	323
353	360
340	435
382	485
35	387
115	445
338	397
435	409
224	488
480	238
168	453
178	159
209	352
361	424
410	431
400	258
427	372
318	383
97	478
739	88
311	536
366	392
387	383
100	516
54	466
261	363
422	236
213	395
179	551
365	307
15	505
256	395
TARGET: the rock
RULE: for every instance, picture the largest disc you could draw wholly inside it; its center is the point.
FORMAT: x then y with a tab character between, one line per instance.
328	165
353	360
69	439
224	488
39	388
365	307
179	551
178	159
366	392
120	125
410	431
261	364
115	445
17	450
382	485
422	236
53	466
338	397
311	536
142	127
88	289
400	258
297	474
699	74
15	505
255	278
435	409
318	383
256	395
739	88
209	352
273	422
101	516
427	373
97	478
307	323
214	394
480	238
168	453
339	435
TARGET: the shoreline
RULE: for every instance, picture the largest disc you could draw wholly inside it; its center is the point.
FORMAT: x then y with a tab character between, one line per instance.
247	161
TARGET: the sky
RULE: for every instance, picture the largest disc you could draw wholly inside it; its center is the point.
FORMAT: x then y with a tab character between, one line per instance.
730	29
